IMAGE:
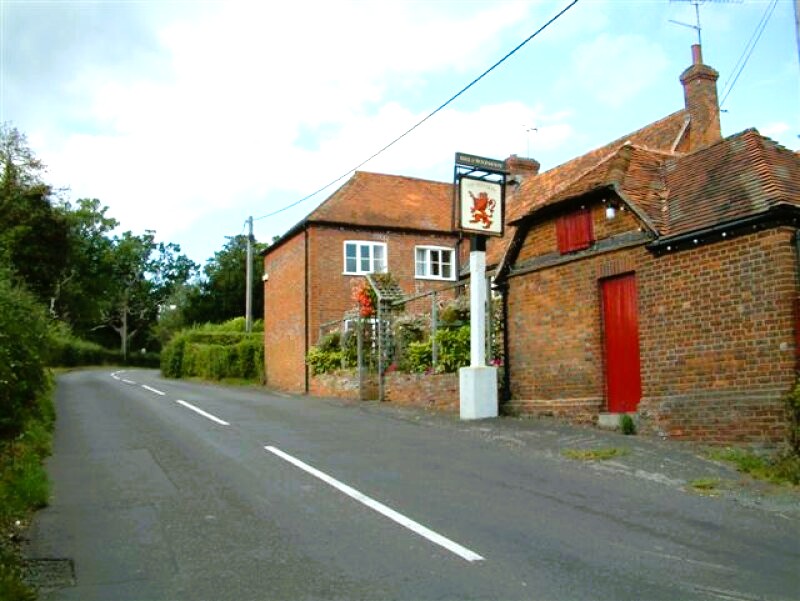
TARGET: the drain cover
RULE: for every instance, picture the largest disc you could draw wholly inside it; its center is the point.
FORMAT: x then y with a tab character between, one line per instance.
48	574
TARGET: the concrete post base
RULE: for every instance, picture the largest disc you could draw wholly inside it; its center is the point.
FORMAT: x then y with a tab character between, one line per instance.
478	392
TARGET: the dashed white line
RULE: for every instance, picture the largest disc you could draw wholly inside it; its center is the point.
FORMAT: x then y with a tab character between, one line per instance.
128	381
146	387
351	492
205	414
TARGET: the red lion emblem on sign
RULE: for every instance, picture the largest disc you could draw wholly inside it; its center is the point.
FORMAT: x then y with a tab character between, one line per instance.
482	209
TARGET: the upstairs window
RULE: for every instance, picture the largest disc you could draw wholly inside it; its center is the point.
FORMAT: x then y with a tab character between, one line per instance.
574	231
364	257
434	263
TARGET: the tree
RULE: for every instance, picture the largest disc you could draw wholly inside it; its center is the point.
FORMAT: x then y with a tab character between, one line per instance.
220	296
33	238
144	274
81	292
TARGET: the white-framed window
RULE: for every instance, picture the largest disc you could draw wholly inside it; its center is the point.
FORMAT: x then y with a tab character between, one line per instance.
364	257
434	263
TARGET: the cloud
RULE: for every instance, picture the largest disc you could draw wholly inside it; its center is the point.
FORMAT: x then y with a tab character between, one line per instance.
614	69
775	129
190	112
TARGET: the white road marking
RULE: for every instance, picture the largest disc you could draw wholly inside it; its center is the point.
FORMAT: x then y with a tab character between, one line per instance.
128	381
415	527
213	418
146	387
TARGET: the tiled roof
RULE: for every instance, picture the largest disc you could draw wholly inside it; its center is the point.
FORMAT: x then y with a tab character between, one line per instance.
740	176
391	201
633	172
665	135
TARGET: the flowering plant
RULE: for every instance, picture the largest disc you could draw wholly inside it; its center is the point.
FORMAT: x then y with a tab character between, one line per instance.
365	297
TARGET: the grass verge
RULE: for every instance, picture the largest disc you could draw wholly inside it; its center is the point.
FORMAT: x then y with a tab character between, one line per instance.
594	454
24	487
706	486
781	468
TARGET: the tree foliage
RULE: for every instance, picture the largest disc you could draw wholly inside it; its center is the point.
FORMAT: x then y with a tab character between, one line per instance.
102	285
33	237
220	295
23	346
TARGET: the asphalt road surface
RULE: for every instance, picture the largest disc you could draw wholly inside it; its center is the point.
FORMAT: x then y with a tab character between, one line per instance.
172	490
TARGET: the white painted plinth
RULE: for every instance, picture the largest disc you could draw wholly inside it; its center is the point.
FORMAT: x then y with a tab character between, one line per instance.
478	392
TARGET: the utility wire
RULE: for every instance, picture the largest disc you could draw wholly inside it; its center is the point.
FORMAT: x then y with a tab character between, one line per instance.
431	114
748	49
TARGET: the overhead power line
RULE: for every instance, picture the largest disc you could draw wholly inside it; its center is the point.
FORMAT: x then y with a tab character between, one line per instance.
431	114
748	50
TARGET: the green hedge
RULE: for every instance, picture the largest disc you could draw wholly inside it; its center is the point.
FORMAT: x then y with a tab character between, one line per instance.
214	355
23	347
66	350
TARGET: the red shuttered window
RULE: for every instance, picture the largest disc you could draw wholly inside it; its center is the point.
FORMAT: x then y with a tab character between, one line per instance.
574	231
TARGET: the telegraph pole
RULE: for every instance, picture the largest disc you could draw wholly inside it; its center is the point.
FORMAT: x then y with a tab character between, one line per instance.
248	311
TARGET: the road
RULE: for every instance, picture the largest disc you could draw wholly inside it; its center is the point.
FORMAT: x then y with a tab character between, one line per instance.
166	489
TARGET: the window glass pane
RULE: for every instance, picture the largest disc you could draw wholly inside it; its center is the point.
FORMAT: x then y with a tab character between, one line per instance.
435	263
420	262
447	260
349	257
379	258
364	259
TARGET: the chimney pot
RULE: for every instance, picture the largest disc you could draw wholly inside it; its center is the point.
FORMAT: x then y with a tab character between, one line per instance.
697	54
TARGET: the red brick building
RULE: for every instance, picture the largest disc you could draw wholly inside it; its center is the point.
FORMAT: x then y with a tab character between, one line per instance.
659	275
373	223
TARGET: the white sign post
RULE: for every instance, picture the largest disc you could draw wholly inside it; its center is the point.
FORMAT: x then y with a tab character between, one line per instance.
481	214
478	382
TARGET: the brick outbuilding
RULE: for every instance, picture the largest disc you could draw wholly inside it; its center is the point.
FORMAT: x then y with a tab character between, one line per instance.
658	275
373	223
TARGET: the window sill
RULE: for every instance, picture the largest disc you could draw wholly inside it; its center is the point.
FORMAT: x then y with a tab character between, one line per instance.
433	278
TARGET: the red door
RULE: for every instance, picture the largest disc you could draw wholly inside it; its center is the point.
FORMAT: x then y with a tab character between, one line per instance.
621	337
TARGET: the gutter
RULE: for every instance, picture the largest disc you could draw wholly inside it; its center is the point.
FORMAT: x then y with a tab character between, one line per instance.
783	214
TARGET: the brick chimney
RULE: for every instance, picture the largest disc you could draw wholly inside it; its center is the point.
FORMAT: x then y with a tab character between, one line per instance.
700	96
521	167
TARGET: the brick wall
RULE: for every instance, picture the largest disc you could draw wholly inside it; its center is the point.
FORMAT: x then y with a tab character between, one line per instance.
284	317
343	385
420	390
330	288
329	291
717	333
439	391
717	337
544	241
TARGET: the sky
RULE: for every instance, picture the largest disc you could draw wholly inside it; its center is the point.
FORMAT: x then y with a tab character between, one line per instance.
188	117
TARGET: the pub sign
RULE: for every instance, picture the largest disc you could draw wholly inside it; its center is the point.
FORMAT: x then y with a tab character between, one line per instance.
481	206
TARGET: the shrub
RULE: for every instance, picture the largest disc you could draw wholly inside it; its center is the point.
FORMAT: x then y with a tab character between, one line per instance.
23	347
418	357
215	352
23	487
453	349
67	350
455	312
323	361
248	360
626	424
